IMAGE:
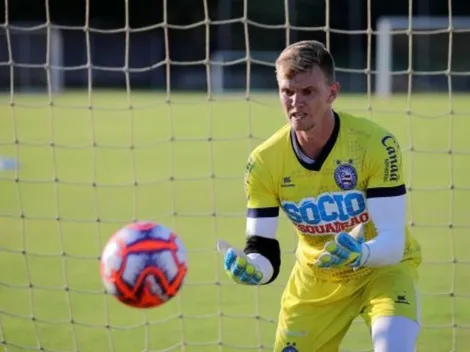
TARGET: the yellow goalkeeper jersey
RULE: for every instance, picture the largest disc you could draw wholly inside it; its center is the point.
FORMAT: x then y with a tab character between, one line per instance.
360	160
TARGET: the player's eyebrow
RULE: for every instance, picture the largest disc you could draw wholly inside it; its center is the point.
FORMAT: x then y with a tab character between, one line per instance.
299	88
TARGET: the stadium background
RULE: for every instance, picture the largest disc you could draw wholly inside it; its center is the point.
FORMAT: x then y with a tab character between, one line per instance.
112	146
189	44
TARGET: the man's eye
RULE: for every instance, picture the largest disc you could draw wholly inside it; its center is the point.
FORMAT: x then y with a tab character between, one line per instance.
306	91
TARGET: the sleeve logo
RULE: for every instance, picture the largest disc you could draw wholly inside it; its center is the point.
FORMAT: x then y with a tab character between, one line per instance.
249	167
391	162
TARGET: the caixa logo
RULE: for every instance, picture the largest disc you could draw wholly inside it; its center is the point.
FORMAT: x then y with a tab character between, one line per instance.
328	213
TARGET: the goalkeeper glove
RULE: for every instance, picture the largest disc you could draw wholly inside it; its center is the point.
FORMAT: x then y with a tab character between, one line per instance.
347	250
238	265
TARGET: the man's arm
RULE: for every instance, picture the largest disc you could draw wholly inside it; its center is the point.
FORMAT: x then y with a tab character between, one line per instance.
260	260
386	201
261	246
389	217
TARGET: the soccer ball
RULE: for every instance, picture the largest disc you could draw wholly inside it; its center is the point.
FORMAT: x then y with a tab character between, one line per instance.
143	265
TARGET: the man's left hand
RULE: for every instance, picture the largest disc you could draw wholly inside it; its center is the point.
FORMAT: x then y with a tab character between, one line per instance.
347	250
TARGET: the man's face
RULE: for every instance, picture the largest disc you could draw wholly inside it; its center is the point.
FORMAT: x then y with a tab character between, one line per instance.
306	98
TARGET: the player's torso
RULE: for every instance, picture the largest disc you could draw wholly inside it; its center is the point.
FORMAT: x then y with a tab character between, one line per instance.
328	201
331	198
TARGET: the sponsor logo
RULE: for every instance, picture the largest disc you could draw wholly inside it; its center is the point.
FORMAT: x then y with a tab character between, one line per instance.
391	162
328	213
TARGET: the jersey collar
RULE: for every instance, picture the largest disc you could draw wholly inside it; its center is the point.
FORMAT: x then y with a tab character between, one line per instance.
330	143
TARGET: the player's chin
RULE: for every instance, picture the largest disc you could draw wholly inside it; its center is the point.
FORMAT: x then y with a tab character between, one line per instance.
300	125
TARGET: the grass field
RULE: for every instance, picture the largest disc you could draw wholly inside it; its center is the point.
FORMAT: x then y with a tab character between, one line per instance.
85	172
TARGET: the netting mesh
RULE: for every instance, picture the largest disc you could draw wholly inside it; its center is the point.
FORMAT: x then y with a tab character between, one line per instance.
92	160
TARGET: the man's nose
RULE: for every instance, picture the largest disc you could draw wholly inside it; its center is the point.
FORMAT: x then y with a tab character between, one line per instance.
297	99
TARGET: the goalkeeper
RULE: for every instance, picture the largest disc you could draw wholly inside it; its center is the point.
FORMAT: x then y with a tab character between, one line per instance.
339	179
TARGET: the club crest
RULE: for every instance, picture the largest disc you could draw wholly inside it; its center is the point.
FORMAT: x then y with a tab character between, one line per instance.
290	348
345	176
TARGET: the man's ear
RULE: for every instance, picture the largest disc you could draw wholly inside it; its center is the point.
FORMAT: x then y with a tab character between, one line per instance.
334	92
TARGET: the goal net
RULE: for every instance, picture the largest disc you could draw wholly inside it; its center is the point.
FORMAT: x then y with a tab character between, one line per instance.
90	160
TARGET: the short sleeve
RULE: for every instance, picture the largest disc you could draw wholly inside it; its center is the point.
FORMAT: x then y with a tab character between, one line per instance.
262	200
384	167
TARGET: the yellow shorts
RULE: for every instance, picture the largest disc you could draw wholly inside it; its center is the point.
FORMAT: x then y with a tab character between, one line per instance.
315	315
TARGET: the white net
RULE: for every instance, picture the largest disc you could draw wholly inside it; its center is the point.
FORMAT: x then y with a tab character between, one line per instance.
92	160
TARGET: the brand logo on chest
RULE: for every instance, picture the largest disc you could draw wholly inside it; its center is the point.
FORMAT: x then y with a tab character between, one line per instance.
328	213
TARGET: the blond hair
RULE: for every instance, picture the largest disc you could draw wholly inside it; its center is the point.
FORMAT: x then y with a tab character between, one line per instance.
303	56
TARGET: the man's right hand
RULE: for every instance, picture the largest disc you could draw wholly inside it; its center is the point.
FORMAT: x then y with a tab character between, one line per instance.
238	265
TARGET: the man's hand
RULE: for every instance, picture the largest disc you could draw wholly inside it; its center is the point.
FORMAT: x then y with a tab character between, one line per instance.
347	250
238	266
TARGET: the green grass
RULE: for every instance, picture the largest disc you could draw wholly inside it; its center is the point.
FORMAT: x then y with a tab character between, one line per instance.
69	196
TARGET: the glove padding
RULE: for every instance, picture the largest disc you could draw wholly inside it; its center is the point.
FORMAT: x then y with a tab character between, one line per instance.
238	265
347	250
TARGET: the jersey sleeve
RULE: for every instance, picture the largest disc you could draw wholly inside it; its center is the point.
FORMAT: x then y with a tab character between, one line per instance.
389	217
384	167
386	199
262	199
